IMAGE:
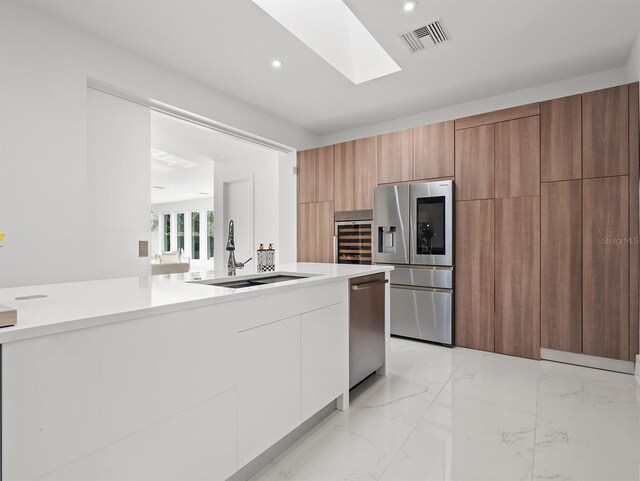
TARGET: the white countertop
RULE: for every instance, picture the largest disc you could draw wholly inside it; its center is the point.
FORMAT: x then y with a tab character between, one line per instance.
77	305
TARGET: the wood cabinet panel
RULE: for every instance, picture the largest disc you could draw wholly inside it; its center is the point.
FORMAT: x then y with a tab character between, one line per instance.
474	279
503	115
474	163
324	232
395	157
324	174
306	238
561	268
364	172
343	176
307	176
517	271
434	151
634	232
605	132
517	147
605	260
561	139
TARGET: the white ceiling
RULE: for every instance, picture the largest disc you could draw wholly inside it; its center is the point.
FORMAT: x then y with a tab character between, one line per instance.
200	147
497	46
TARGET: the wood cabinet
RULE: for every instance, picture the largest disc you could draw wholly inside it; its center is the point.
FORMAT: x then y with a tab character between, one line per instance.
561	266
561	139
307	176
474	279
634	220
355	166
306	238
517	144
605	132
517	272
324	174
433	151
395	157
474	163
315	232
364	172
315	175
324	232
605	260
343	176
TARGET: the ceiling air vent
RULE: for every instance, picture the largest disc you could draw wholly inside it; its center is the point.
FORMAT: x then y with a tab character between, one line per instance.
427	36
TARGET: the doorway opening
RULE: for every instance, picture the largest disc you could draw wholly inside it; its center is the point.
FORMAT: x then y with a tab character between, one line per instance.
201	179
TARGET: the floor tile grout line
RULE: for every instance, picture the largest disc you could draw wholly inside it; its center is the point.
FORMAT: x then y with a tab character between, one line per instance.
417	423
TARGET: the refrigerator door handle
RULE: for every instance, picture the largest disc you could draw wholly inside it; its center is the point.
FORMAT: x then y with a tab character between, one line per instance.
335	249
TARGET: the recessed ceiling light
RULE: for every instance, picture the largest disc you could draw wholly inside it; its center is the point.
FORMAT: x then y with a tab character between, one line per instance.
276	63
410	5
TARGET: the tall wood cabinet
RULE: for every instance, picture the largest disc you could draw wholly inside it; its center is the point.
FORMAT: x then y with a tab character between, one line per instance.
561	269
590	223
315	204
605	260
517	276
474	279
497	156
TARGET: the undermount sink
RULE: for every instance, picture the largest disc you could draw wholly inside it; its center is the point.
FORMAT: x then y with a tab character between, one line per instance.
253	281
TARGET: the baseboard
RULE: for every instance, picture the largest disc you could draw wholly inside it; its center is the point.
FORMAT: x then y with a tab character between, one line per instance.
626	367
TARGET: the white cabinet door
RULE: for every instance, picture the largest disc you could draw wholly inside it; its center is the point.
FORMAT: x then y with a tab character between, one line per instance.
269	387
325	357
196	444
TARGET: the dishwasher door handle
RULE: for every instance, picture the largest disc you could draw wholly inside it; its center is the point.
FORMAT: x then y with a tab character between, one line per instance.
368	285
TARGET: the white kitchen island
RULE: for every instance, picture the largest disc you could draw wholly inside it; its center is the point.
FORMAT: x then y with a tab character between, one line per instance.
160	378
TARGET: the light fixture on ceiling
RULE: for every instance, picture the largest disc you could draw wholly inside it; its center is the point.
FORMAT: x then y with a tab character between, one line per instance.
332	31
410	5
276	63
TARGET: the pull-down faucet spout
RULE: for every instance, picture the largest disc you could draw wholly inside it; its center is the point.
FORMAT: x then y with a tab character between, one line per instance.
232	265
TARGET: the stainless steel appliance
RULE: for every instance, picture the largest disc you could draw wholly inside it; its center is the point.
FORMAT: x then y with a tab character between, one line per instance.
413	230
366	326
352	242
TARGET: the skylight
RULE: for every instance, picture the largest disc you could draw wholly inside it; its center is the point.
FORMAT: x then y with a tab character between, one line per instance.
331	30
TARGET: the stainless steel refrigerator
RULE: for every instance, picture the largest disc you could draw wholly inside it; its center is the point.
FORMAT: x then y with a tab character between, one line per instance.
413	231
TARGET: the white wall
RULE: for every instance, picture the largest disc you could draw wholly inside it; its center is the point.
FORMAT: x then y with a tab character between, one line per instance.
44	67
264	172
186	206
572	86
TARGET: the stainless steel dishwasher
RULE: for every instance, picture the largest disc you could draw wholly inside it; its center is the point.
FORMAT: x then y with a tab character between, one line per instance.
366	326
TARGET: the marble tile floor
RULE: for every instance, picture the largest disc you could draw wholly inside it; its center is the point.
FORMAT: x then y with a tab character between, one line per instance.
459	414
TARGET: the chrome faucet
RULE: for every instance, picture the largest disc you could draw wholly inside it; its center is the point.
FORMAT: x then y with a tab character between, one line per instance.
232	265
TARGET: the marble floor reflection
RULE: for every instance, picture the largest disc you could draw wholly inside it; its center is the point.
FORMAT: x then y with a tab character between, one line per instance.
459	414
